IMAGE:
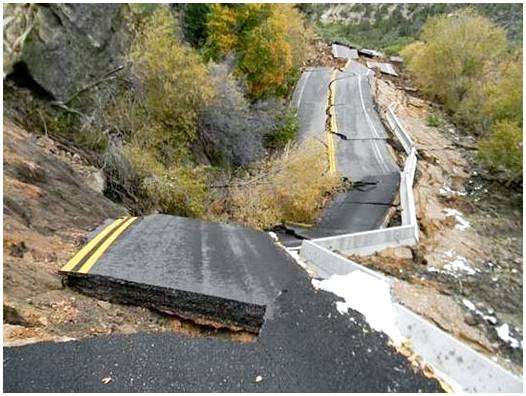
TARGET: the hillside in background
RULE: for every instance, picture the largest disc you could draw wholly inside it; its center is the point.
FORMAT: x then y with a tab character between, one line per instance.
394	25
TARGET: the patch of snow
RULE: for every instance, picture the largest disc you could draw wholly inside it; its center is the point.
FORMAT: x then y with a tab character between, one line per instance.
504	334
490	319
273	235
469	304
458	266
462	223
368	295
446	190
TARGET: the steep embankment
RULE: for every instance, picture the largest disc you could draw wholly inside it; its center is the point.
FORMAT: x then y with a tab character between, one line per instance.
465	274
52	200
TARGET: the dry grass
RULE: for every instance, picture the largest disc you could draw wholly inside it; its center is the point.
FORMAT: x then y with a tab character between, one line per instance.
292	186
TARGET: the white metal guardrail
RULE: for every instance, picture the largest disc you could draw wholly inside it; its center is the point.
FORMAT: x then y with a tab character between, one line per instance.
367	242
398	129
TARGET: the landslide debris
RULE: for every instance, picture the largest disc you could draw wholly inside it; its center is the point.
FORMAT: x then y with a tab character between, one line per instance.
49	209
466	271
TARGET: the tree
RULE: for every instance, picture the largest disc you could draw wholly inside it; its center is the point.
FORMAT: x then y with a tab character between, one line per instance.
195	18
269	40
502	150
455	52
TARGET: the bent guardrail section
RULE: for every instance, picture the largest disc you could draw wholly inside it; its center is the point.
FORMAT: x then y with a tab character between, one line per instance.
398	129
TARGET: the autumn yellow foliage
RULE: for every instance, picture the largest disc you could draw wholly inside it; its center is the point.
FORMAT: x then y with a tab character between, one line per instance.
159	117
464	61
291	187
269	41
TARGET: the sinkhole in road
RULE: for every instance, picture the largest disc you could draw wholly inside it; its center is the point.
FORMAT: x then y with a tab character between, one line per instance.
217	275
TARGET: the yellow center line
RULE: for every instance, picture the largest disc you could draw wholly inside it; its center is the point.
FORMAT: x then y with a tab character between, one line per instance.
107	243
332	125
86	249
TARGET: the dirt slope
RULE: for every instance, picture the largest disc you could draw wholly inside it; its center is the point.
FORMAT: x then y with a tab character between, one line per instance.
49	209
466	272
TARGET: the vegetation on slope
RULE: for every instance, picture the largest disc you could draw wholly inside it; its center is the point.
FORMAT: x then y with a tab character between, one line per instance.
466	62
268	42
390	27
183	117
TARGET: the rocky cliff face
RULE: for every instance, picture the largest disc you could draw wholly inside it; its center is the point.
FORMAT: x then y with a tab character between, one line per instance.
508	16
62	47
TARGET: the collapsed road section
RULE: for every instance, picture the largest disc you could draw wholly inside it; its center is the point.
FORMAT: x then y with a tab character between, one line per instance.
211	273
357	150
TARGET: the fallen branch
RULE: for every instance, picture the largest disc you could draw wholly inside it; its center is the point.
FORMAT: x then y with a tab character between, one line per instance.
105	77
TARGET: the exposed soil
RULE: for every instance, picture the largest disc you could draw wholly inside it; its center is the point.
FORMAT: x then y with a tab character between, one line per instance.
469	257
49	209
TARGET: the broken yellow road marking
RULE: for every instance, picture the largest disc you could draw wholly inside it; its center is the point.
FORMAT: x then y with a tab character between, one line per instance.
332	125
91	244
107	243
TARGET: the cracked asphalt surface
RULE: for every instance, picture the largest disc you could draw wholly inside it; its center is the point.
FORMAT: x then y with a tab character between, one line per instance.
310	99
305	345
362	155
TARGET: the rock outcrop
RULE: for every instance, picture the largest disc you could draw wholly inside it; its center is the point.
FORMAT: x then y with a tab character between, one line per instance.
63	47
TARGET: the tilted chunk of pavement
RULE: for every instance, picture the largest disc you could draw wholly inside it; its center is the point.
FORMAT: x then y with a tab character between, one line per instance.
215	272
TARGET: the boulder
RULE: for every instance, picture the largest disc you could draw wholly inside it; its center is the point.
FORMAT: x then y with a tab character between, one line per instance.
97	181
71	45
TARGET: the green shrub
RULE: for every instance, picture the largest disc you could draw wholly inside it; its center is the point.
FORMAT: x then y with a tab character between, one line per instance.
502	150
454	53
433	120
285	133
464	61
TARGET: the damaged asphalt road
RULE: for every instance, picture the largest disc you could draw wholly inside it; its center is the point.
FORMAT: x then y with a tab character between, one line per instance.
362	156
305	345
218	272
225	273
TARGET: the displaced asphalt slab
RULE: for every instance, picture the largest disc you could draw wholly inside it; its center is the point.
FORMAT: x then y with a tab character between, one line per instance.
221	272
363	208
310	98
305	345
342	51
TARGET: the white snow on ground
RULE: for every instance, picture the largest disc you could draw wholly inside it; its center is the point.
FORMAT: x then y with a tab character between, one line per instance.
446	190
273	235
458	266
469	304
473	308
462	223
504	334
368	295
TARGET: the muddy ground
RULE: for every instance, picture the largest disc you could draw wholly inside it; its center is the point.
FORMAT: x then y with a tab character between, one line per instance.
466	272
